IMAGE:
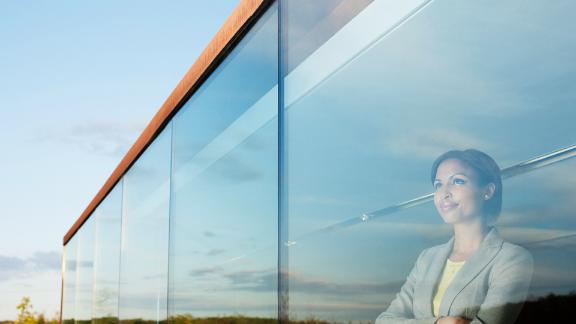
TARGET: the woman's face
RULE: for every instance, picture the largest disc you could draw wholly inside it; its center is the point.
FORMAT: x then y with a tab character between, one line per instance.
458	196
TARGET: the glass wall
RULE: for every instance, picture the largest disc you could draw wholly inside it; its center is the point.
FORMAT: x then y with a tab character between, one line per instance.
144	252
335	195
307	25
108	217
84	272
223	220
69	284
370	109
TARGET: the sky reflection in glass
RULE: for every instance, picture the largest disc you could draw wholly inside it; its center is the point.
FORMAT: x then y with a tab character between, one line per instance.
374	92
223	221
69	287
108	217
488	75
144	247
84	271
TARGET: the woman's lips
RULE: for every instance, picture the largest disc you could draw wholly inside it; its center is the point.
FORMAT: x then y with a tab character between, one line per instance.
447	206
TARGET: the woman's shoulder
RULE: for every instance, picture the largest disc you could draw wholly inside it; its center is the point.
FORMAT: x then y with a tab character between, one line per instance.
511	252
508	252
435	251
513	263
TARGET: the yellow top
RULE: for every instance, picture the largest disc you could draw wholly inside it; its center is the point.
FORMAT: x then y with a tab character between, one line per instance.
449	273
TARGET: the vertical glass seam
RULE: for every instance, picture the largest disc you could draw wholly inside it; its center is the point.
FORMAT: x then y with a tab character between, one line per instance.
170	191
63	273
282	223
78	244
94	218
122	214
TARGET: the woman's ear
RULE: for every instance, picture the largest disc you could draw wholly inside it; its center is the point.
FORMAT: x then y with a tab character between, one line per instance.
489	191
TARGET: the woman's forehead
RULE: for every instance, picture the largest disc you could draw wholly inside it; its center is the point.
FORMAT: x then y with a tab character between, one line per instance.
450	167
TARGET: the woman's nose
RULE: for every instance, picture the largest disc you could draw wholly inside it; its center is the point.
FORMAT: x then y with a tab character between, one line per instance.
446	193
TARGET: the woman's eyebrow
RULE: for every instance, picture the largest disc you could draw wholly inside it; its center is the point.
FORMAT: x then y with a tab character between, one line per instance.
452	176
458	174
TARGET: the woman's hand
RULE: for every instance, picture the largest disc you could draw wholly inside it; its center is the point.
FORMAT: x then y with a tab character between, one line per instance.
452	320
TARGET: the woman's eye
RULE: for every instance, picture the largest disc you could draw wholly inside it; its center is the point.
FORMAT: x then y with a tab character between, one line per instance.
459	181
437	185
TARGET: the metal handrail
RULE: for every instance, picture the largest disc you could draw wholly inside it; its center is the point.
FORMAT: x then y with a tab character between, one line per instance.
509	172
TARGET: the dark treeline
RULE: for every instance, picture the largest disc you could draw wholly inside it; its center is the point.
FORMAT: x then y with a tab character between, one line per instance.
189	319
549	309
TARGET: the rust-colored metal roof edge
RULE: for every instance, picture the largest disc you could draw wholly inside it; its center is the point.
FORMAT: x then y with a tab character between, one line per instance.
243	16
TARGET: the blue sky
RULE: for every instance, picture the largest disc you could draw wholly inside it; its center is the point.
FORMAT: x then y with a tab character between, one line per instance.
79	81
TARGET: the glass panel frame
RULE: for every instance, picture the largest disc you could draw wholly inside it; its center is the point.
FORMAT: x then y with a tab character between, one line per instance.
84	272
69	283
145	226
223	235
108	218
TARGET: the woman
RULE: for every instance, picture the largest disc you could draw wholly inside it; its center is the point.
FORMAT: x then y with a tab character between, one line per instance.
476	277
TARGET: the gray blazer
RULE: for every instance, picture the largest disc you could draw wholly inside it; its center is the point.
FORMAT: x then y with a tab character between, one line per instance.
490	288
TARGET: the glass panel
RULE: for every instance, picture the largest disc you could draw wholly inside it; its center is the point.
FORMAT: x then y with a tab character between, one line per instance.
223	233
144	252
84	272
69	298
107	257
371	108
311	23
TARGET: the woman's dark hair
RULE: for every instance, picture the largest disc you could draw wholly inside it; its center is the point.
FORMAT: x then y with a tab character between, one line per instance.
488	172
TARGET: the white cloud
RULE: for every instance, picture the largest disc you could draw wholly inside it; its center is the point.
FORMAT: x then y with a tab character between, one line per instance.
429	143
104	138
15	267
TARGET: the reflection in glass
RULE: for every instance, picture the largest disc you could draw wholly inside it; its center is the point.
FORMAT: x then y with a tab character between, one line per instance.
312	23
84	271
373	92
69	288
477	274
144	252
107	217
394	87
223	222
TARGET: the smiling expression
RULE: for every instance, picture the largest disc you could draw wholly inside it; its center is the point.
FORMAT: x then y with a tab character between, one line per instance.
458	196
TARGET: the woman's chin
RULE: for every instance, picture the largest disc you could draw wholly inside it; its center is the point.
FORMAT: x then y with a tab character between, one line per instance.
457	219
449	219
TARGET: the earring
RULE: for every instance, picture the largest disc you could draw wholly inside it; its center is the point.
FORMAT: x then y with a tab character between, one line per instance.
486	197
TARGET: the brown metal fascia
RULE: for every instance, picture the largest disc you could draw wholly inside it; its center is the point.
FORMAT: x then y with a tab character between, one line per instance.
235	26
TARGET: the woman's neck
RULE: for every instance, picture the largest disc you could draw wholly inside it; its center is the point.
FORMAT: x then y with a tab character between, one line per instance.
467	239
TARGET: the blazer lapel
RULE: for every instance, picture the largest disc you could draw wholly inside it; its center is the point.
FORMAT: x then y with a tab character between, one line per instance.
432	275
473	266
